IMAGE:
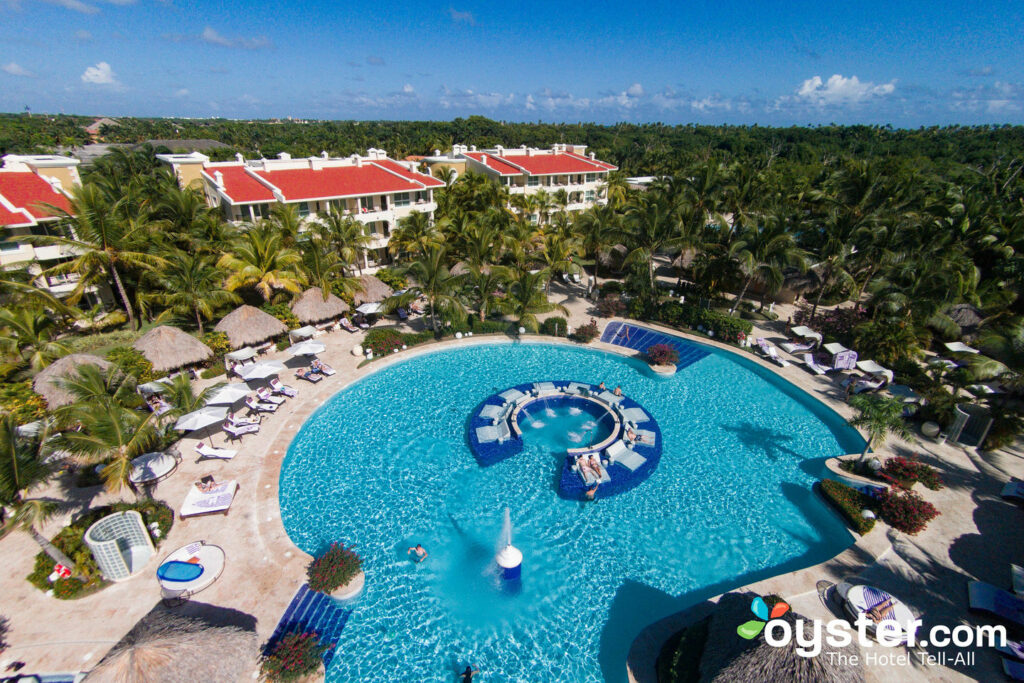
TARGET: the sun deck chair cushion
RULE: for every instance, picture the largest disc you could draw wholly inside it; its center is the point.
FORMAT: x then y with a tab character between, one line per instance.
609	397
491	411
511	395
211	452
636	415
988	598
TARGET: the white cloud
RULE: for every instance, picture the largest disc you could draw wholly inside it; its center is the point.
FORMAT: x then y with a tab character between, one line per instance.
407	88
1000	98
461	17
530	105
181	92
635	90
213	37
839	90
101	74
17	70
75	5
83	35
470	99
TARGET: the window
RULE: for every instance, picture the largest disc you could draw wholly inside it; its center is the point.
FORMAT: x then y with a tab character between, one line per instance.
303	209
8	245
368	229
261	210
402	199
589	196
533	181
591	177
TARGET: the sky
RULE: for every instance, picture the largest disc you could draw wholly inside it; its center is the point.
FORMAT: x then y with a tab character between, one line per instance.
900	63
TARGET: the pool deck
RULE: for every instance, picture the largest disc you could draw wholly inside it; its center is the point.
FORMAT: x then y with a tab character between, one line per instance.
263	569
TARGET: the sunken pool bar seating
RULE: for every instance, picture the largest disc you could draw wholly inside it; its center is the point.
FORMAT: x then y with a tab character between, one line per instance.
494	434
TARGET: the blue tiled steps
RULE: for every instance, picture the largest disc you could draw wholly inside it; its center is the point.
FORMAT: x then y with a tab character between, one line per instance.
314	612
640	338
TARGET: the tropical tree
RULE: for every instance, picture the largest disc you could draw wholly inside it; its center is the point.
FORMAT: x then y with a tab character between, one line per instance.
764	253
597	228
28	337
486	285
414	235
323	268
651	228
347	237
286	220
191	285
184	398
259	261
880	416
526	299
432	279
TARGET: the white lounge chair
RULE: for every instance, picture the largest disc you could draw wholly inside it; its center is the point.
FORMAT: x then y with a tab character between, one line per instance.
609	397
576	278
544	388
259	406
796	347
347	324
211	452
635	415
814	367
217	499
326	369
588	477
768	349
499	432
236	432
491	411
283	389
578	388
511	395
619	453
644	437
267	397
242	421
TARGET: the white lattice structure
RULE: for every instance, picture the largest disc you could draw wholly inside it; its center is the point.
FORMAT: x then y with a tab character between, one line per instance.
121	545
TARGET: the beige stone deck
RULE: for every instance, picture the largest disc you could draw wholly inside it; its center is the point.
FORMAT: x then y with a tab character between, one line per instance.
976	537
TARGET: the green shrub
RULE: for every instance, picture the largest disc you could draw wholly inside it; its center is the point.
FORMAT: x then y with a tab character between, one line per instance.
333	569
489	326
414	338
611	306
849	502
586	333
554	327
611	287
93	343
383	341
295	656
132	362
284	314
24	405
282	344
338	290
725	328
218	343
392	278
213	371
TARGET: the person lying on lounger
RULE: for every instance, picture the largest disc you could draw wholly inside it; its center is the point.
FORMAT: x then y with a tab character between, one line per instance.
584	466
881	610
316	365
304	373
206	485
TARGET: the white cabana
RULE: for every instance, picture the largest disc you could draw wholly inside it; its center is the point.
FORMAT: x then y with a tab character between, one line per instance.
228	394
806	333
244	353
261	370
873	368
960	347
370	308
307	348
303	332
151	467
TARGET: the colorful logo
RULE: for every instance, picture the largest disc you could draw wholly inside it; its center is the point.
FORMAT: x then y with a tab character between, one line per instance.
751	629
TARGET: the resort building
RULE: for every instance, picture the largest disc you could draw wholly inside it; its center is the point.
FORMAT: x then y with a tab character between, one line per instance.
373	189
527	170
29	185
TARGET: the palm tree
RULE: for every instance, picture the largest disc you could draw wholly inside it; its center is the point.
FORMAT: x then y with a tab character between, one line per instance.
285	218
347	236
597	228
764	252
486	284
432	279
259	260
104	241
29	338
191	285
651	227
616	189
323	268
24	467
415	235
880	416
184	399
556	254
526	299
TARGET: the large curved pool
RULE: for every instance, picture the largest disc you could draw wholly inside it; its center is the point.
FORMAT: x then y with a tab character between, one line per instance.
384	464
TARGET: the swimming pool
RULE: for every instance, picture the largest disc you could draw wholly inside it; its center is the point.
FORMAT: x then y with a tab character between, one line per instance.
385	464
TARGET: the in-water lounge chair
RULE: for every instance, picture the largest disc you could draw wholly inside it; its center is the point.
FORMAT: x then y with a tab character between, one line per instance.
210	452
544	388
609	398
635	415
984	597
578	388
499	432
491	411
588	477
619	453
511	395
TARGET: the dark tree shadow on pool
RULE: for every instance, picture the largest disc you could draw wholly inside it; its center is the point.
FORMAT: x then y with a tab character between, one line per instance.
770	442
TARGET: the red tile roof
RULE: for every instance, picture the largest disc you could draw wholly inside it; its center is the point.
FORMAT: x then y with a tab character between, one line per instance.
14	218
337	181
601	164
239	186
427	180
546	164
496	162
28	191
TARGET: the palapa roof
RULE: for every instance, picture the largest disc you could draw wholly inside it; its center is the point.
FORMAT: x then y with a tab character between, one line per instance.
372	290
164	646
311	307
248	325
966	316
168	348
728	658
45	383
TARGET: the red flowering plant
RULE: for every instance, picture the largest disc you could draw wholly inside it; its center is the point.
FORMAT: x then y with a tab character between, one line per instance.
293	657
907	471
905	510
836	322
662	354
333	569
586	333
383	341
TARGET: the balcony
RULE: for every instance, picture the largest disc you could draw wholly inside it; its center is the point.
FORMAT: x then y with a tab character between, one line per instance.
420	206
378	241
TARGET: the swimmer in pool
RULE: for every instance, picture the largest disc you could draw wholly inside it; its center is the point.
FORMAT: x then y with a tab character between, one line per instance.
419	553
618	391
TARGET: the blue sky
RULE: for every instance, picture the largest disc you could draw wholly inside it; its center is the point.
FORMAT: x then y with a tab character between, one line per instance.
768	62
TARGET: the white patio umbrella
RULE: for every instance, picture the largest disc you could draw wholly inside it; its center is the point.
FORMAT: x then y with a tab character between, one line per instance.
261	370
228	394
307	348
960	347
303	332
204	417
370	308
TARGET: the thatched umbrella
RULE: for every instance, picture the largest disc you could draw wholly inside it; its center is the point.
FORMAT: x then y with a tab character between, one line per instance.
372	290
966	316
168	348
247	325
45	383
164	646
728	658
614	257
311	307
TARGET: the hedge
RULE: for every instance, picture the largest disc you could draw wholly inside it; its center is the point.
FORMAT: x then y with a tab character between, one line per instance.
850	502
726	328
21	402
554	327
132	362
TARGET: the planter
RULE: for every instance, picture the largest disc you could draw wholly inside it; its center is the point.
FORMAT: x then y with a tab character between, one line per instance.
666	370
930	429
350	589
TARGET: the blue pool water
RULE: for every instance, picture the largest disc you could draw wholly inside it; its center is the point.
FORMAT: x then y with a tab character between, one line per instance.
559	427
385	465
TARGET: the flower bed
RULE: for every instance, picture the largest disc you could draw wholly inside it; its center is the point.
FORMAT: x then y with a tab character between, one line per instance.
662	354
295	656
850	502
898	471
586	333
905	510
333	569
